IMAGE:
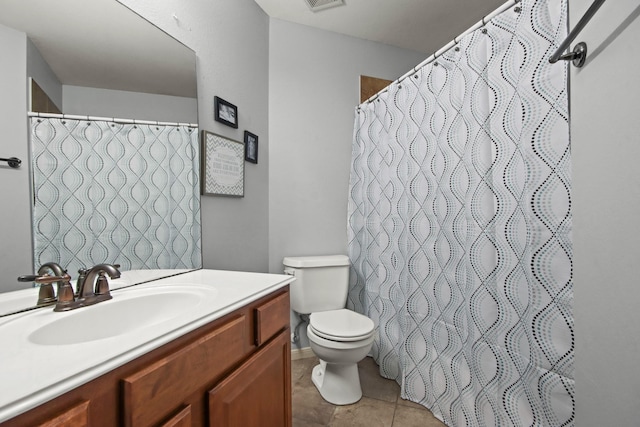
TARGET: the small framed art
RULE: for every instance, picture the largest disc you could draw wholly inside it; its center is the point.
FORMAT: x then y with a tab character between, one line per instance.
250	147
222	166
225	112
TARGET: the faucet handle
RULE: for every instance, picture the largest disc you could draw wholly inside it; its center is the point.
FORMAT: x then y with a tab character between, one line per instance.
46	294
47	279
66	297
102	285
82	274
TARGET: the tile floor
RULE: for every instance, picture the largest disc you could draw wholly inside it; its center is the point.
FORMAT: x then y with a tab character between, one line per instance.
380	406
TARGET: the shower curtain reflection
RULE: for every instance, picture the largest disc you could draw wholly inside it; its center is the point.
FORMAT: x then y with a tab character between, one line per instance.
460	222
115	192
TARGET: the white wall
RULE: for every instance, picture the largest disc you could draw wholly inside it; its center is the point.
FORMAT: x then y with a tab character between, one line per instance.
16	257
230	39
605	139
128	105
313	91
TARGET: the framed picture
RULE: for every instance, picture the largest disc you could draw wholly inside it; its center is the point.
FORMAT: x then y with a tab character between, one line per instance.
222	166
225	112
250	147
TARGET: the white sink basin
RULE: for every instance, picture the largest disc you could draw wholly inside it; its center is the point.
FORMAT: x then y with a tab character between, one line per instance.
130	310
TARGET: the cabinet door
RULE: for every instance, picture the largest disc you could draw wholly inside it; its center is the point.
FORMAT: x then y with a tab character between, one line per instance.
258	393
157	390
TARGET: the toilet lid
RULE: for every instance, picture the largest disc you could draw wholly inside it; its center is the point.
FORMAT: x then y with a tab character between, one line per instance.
341	325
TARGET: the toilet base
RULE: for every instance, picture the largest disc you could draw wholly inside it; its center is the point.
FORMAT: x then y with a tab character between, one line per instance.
337	383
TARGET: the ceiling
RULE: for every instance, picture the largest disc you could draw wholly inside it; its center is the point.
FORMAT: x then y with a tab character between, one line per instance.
103	44
420	25
80	42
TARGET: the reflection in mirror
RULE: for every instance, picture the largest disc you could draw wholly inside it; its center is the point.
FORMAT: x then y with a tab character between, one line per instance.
99	58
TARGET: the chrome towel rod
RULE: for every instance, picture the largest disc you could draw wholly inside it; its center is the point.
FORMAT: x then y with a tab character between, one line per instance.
579	54
14	162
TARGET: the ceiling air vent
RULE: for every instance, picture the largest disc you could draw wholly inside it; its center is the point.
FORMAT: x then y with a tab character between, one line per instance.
316	5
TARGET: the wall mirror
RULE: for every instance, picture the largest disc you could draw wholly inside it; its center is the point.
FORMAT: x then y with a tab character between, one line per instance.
99	50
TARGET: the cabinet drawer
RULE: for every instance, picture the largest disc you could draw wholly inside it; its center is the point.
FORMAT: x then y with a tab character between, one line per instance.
78	416
156	391
271	317
181	419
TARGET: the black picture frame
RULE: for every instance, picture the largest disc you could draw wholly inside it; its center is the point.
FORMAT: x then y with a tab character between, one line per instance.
225	112
250	147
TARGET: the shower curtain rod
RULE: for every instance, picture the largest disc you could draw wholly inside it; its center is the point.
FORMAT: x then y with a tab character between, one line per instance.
109	119
446	47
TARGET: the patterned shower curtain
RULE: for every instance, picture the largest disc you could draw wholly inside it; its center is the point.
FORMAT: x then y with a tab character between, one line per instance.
460	226
116	193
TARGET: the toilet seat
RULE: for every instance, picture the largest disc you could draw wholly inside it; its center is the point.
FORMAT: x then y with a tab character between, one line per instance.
341	325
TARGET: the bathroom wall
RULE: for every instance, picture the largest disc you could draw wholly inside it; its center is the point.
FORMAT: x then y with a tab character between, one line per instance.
128	105
86	101
15	230
606	192
230	38
313	91
233	63
301	85
40	71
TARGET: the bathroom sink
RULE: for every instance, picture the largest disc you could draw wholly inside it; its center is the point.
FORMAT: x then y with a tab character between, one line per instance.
130	311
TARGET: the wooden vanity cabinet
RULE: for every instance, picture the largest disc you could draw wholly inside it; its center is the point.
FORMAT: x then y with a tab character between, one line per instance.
235	371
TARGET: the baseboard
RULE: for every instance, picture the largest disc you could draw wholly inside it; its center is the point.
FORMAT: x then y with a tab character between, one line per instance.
301	353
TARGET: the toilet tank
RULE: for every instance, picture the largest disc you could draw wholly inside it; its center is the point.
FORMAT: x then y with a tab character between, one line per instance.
321	282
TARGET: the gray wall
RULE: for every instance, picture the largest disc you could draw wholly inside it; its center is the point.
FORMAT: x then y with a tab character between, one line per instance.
41	72
15	230
313	90
231	42
605	139
128	105
230	39
87	101
307	81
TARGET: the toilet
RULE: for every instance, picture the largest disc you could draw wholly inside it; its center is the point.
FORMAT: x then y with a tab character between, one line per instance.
339	337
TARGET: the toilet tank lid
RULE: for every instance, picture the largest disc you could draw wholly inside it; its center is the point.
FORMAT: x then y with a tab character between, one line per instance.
316	261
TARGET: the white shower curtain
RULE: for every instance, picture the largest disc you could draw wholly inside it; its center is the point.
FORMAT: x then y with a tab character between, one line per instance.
115	192
460	226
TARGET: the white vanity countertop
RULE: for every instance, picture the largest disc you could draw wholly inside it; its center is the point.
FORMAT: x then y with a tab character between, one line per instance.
35	367
24	299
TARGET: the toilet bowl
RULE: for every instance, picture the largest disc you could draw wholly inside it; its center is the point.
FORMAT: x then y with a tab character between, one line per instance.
340	338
